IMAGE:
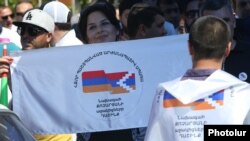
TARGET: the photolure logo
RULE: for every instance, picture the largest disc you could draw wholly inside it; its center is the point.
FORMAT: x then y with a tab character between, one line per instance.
115	82
211	102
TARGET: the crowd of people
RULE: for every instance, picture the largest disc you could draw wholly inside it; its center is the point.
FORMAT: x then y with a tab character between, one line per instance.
218	39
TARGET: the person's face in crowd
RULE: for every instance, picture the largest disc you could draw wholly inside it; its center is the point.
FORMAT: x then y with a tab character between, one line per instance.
21	9
6	17
192	12
223	13
157	28
171	13
243	8
100	29
124	17
33	37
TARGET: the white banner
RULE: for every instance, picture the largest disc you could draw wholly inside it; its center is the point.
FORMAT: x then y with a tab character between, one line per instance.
95	87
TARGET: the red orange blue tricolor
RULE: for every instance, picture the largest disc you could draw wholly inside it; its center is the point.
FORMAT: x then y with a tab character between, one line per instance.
211	102
115	82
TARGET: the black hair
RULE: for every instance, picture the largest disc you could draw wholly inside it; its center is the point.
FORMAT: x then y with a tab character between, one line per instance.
141	15
215	5
127	4
167	2
209	36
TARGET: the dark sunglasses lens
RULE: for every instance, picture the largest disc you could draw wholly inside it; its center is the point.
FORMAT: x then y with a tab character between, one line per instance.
32	31
6	17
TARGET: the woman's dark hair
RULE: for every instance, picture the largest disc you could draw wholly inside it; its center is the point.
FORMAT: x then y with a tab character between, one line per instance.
103	6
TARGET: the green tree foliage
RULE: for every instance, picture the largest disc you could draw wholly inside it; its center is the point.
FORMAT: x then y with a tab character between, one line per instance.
10	3
83	2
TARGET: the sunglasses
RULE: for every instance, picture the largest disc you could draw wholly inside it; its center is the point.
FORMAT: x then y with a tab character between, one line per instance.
31	30
244	3
7	16
192	14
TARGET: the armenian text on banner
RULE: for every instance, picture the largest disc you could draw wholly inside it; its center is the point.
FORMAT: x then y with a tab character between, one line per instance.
96	87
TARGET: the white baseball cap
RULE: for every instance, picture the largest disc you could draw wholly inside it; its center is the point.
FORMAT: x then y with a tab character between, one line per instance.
58	11
38	18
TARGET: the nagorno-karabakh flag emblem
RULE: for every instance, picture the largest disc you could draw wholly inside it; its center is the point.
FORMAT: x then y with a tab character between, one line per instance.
115	83
213	101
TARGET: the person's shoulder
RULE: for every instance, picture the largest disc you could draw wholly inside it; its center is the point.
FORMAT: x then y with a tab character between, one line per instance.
69	39
228	77
163	85
12	35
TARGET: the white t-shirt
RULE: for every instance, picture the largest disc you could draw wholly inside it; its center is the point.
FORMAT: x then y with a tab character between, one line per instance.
12	35
69	39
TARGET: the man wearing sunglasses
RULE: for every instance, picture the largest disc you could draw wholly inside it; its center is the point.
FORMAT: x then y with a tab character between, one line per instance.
35	29
7	16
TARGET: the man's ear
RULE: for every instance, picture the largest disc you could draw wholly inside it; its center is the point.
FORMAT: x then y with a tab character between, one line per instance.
49	37
228	49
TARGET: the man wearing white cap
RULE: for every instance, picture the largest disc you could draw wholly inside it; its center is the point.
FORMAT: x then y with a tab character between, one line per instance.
63	34
36	29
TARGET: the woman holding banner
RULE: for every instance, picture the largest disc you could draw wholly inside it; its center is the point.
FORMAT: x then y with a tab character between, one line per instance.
98	24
